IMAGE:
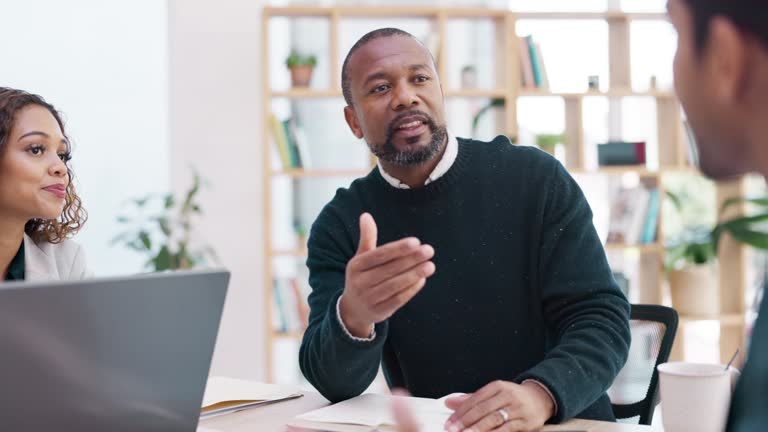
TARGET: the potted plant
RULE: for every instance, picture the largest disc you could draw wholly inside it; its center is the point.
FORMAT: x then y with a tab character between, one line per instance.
751	230
494	103
160	227
301	67
548	142
301	234
691	262
693	272
468	77
691	256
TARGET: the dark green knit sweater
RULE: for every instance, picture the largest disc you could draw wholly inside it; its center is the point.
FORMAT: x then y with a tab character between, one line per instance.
522	289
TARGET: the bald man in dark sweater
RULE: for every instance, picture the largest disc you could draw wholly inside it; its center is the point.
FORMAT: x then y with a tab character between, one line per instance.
474	268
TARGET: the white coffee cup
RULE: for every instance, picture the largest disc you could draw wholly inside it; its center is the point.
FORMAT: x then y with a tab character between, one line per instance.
695	396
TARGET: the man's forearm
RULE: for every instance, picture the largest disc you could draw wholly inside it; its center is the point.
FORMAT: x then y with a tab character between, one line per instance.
338	365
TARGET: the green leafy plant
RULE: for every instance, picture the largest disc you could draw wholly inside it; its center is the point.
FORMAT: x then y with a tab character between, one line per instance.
698	245
494	103
694	244
751	230
160	227
296	59
549	141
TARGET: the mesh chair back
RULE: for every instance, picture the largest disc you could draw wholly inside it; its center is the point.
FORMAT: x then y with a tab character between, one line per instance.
635	392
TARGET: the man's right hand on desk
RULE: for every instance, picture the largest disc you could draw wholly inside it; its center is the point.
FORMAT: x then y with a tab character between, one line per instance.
380	280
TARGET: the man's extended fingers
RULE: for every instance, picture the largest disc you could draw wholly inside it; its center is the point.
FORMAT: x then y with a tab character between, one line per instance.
485	415
487	392
456	401
513	425
404	418
397	266
386	253
397	301
392	287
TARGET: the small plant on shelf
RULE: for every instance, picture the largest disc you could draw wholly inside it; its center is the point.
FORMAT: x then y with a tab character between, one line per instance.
161	228
692	254
548	142
301	67
691	264
301	234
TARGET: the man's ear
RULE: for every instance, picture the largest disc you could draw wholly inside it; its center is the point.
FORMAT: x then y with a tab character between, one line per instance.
354	125
727	49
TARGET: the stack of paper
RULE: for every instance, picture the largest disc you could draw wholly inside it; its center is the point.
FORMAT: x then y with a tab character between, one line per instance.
375	410
225	395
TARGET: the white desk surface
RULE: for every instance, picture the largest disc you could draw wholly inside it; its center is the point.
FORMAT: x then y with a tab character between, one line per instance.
276	418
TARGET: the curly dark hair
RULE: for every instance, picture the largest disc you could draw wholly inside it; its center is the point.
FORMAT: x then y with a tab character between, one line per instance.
74	215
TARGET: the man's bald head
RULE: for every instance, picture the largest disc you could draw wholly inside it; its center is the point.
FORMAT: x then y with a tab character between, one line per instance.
368	37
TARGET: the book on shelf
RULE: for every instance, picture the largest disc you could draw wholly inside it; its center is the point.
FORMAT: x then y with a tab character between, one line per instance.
634	216
291	142
525	64
691	153
290	305
615	153
534	71
299	142
543	77
280	140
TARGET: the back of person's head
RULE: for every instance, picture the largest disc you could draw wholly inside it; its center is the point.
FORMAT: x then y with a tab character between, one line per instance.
750	16
72	218
721	79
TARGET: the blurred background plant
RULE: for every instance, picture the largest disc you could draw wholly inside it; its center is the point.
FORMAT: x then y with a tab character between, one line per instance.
161	228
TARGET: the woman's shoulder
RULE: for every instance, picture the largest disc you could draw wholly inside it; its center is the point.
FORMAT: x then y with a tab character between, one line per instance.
64	260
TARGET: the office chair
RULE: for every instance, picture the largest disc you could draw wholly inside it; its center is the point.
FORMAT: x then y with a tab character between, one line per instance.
635	392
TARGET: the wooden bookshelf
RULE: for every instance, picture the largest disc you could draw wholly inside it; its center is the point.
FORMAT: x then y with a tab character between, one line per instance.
287	335
670	136
624	92
724	319
306	93
477	93
642	248
299	173
297	253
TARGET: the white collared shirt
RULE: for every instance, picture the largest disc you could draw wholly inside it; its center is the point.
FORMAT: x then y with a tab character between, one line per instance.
442	167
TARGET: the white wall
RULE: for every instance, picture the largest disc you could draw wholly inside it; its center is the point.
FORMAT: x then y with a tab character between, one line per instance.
215	118
90	60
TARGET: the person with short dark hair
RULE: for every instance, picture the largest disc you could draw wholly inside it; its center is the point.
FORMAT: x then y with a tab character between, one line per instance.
458	265
721	78
39	207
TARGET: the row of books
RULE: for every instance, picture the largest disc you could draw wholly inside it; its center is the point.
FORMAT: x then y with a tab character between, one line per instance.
291	143
534	72
634	216
290	311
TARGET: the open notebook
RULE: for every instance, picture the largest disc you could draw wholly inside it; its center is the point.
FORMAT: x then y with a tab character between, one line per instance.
375	410
225	395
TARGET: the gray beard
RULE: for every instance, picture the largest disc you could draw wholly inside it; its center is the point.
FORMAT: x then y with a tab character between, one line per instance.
388	153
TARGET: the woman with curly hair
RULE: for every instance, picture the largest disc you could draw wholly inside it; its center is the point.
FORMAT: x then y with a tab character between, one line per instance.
39	208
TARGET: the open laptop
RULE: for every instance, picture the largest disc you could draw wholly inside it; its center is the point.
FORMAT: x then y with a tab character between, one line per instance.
113	354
